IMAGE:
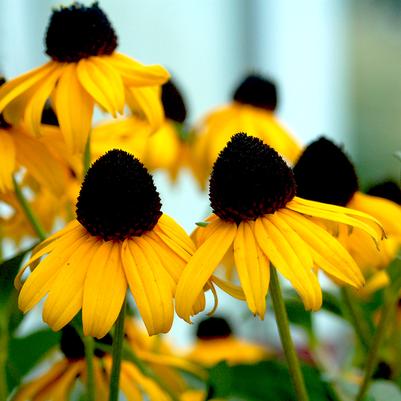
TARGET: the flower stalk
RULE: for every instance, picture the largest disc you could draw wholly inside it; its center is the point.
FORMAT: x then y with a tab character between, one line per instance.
285	336
90	382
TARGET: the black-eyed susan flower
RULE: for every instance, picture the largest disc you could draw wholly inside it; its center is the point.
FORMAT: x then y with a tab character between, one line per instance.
164	149
59	380
252	195
252	111
216	342
84	70
120	238
324	173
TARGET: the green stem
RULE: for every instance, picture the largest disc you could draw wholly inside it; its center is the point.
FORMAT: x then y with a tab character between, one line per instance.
285	335
87	156
118	340
356	318
3	357
90	382
30	215
372	357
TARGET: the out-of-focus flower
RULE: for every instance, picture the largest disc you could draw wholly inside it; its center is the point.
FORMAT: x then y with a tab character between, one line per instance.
165	149
324	173
120	238
84	70
216	342
252	111
252	194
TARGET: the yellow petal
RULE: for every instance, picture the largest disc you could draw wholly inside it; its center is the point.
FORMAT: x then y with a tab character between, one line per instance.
137	74
252	268
7	166
149	284
74	107
201	266
65	296
231	289
275	246
103	83
104	290
328	253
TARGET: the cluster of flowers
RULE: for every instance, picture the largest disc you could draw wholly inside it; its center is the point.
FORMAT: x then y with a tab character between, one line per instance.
304	220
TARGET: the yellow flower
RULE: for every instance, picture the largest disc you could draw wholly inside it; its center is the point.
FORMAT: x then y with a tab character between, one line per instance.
59	380
252	194
324	173
251	111
120	238
196	395
84	70
164	149
217	343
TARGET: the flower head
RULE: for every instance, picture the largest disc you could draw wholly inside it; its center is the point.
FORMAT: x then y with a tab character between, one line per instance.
252	193
252	111
120	239
84	70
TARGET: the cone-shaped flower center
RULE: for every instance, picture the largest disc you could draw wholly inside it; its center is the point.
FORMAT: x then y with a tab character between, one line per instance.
78	32
388	190
258	92
118	198
325	174
212	328
249	179
173	103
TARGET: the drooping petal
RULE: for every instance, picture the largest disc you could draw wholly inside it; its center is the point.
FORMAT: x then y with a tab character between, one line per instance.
252	267
103	83
286	261
65	295
74	108
7	165
231	289
201	266
149	284
136	74
328	253
104	290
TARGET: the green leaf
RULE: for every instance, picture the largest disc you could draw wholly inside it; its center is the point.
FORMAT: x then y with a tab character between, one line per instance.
25	352
384	390
264	381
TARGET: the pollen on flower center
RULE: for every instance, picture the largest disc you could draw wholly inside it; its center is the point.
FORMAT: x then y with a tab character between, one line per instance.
118	198
173	103
249	179
258	92
325	174
212	328
77	32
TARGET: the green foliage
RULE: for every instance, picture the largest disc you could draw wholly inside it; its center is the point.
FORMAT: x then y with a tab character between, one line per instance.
267	380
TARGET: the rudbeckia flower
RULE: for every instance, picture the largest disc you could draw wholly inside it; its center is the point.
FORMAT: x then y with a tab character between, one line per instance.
120	238
324	173
216	342
252	193
84	70
165	149
252	111
59	380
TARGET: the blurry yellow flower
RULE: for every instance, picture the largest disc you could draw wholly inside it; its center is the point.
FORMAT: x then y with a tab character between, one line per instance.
164	149
252	194
196	395
120	238
324	173
251	111
85	70
216	343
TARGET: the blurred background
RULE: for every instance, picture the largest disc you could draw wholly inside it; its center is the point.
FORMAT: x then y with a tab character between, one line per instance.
336	64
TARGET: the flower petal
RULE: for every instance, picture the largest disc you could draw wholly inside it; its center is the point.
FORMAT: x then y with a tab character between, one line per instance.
7	152
201	266
104	290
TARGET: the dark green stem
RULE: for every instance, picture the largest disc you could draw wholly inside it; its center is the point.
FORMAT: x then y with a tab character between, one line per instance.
3	356
90	382
117	350
285	336
357	320
30	215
